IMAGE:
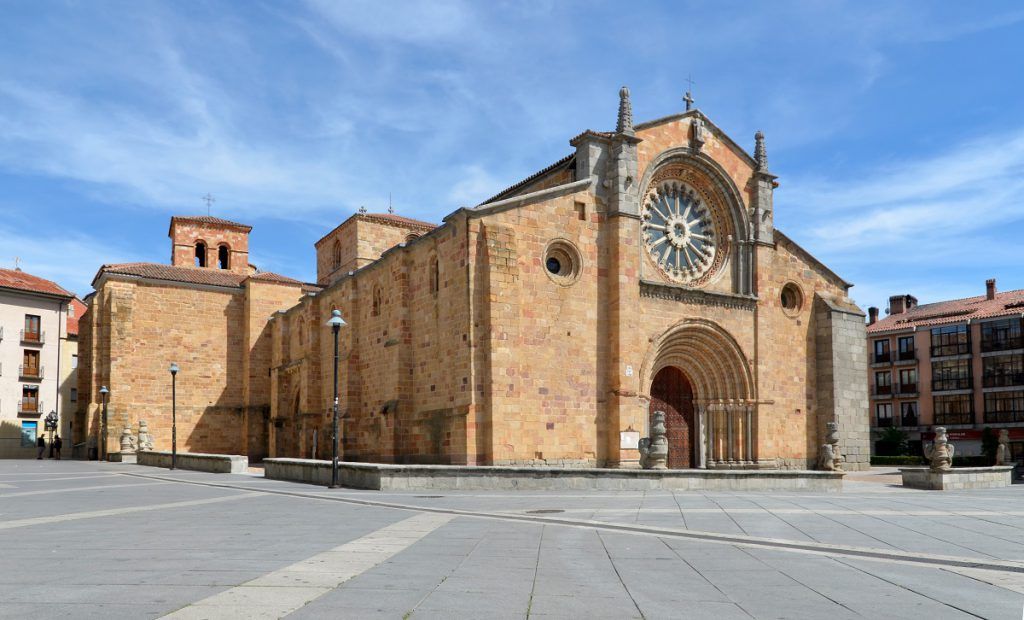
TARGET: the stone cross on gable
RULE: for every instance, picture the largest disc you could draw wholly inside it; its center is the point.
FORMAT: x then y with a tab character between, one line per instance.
688	99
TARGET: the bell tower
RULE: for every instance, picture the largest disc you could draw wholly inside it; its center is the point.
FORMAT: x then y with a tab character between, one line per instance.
204	242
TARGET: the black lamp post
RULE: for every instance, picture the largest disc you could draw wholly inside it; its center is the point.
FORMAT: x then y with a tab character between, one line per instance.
336	324
101	454
51	425
174	414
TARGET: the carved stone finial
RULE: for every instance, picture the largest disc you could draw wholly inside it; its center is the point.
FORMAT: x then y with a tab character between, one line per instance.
654	449
625	121
829	457
940	453
1003	449
362	209
760	154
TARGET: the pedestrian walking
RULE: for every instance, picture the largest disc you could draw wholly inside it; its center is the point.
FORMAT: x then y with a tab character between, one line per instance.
41	444
57	443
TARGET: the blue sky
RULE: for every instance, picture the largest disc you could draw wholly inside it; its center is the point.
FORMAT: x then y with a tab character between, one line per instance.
895	127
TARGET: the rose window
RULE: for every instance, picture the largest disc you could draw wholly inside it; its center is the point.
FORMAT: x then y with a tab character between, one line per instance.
678	231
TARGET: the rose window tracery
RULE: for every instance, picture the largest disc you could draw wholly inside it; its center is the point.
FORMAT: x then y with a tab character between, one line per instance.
679	231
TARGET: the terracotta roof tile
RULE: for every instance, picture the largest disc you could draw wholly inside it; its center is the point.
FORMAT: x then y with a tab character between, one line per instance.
1008	303
269	276
18	280
391	218
80	309
206	219
191	275
533	177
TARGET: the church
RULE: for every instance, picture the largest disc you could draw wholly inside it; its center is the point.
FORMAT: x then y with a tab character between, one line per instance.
543	327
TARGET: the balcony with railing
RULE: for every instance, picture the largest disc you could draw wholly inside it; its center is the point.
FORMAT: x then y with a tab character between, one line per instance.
30	406
33	338
883	390
882	422
881	358
908	419
954	418
906	356
946	384
1007	343
30	373
1003	379
907	389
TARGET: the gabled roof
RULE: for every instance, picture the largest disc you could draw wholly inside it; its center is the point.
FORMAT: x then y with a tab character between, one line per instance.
565	162
79	309
190	275
18	280
206	219
382	218
810	257
708	123
1008	303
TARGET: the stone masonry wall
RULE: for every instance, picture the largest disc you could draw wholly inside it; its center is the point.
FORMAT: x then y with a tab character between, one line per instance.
842	391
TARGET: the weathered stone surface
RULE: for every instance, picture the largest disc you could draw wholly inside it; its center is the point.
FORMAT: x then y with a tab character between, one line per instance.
212	463
441	477
959	478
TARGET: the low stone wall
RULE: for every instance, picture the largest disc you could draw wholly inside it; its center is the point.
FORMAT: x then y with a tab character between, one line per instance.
383	477
123	457
212	463
958	478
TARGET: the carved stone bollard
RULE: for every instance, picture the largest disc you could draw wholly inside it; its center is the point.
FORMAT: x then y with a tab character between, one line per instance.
145	439
829	458
940	452
127	439
1003	450
654	449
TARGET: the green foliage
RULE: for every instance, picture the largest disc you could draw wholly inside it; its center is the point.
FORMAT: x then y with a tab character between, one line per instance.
989	444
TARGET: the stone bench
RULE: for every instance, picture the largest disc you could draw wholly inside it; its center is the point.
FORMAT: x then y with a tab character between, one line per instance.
958	478
195	461
385	477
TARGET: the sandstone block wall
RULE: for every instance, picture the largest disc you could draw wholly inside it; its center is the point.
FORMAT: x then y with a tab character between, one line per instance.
842	393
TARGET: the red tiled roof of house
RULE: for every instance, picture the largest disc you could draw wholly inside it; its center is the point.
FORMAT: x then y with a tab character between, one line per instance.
18	280
79	310
1008	303
206	219
190	275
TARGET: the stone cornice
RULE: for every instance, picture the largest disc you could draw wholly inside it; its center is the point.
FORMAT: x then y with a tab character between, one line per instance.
674	292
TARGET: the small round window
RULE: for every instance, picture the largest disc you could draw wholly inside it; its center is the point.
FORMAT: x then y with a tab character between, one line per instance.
791	298
562	262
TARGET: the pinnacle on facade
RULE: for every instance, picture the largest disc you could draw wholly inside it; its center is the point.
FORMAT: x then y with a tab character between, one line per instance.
625	121
760	154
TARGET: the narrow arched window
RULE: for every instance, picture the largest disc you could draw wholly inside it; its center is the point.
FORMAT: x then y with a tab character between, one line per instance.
223	257
376	301
200	254
336	254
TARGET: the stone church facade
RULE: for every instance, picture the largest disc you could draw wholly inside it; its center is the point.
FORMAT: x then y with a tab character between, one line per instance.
642	272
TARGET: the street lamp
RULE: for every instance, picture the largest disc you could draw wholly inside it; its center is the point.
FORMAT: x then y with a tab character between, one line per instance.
51	425
101	454
174	414
336	324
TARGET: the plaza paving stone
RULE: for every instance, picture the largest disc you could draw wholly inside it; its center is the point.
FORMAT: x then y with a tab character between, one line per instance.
92	540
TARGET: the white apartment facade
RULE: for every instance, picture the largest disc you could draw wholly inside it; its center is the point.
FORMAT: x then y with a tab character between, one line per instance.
33	332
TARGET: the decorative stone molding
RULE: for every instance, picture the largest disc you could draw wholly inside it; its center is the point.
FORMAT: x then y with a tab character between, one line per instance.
670	292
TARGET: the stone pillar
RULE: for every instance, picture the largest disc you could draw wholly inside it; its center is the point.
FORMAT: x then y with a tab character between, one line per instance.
841	367
748	428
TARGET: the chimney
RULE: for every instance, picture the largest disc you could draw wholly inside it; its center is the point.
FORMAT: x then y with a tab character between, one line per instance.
872	315
897	304
990	289
911	302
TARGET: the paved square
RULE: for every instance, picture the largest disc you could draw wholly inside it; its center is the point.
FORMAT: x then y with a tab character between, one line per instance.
93	540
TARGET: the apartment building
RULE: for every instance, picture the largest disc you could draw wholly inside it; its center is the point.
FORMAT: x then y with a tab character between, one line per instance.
33	331
956	363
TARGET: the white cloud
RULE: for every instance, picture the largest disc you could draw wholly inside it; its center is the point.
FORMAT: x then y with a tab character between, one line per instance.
475	185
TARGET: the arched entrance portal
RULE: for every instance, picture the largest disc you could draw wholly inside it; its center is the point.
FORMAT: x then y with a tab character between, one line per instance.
672	393
699	369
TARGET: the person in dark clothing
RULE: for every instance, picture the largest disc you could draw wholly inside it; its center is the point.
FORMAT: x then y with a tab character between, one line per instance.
57	443
41	444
